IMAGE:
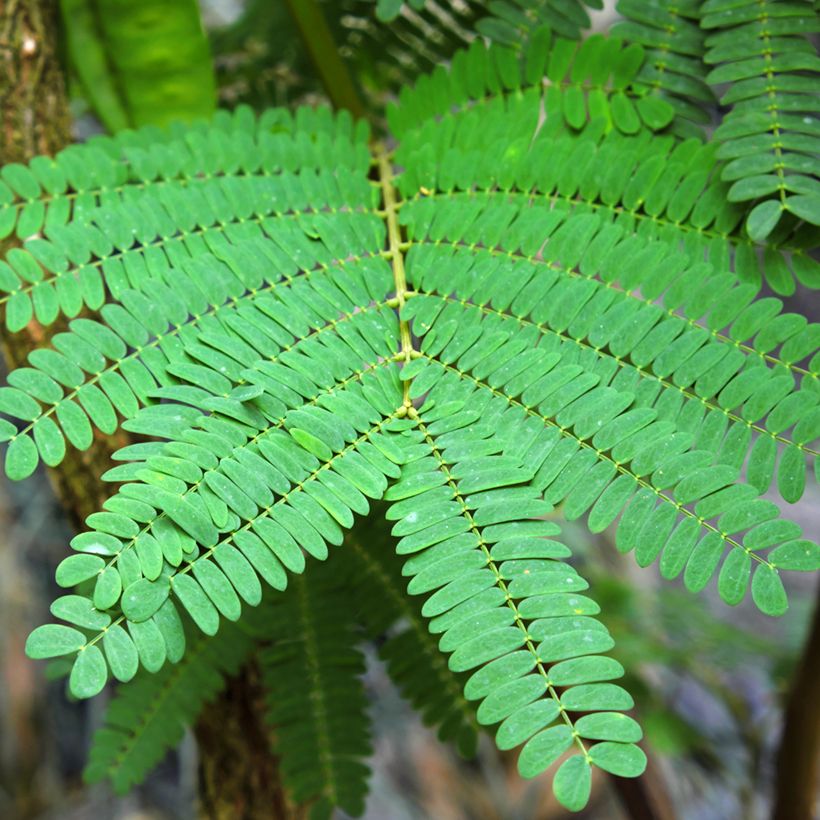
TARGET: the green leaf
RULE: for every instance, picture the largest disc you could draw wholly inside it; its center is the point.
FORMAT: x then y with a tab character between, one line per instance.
768	592
89	673
791	474
78	568
120	653
734	576
312	444
108	588
49	440
218	588
799	555
196	603
574	643
524	722
21	458
622	759
510	667
486	647
572	783
609	726
587	697
703	562
16	403
763	218
457	591
53	641
75	425
542	750
79	610
585	670
150	645
505	700
240	573
141	599
170	625
805	206
655	112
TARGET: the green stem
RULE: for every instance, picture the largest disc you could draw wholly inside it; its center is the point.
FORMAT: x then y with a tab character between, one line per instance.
324	55
391	204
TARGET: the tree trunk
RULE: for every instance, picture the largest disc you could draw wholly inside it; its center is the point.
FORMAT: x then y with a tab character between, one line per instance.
33	104
35	120
797	760
238	774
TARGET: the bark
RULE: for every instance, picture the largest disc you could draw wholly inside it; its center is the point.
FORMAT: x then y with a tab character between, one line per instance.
797	759
33	104
238	774
35	120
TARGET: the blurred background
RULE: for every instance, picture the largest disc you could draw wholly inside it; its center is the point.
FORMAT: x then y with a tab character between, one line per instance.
711	698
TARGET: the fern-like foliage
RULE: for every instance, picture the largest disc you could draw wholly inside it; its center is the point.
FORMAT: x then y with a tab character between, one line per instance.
534	302
770	134
386	45
148	716
761	62
409	649
674	67
507	23
312	670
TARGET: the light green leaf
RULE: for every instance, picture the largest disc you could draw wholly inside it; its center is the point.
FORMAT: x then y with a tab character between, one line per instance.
21	458
768	592
806	206
763	218
78	568
609	726
89	673
525	722
120	653
542	750
78	610
622	759
734	576
141	599
108	588
53	641
572	783
196	603
799	555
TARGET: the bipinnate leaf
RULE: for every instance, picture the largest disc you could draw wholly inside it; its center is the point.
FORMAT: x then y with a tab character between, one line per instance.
541	303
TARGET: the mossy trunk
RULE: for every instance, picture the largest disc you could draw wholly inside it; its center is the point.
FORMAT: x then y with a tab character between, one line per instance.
238	775
33	104
36	120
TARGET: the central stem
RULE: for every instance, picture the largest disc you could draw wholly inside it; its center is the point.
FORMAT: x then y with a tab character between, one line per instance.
391	206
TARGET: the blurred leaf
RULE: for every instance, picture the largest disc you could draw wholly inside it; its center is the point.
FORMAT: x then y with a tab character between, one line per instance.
140	63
